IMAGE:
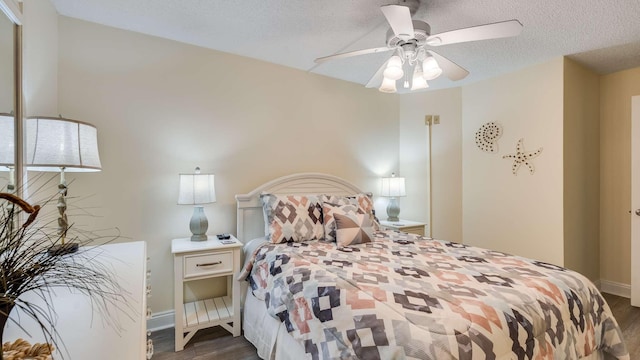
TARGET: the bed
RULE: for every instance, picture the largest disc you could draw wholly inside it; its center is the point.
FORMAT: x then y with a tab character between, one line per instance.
403	296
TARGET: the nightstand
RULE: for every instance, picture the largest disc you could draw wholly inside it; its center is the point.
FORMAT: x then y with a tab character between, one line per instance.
412	227
197	260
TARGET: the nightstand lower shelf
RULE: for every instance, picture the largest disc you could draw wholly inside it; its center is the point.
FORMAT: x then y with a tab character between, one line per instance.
207	312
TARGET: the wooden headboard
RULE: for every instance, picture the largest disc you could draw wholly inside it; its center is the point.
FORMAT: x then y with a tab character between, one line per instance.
250	216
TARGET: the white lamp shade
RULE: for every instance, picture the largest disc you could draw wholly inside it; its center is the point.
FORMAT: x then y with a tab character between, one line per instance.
430	68
7	143
393	187
388	86
196	189
54	143
394	68
418	82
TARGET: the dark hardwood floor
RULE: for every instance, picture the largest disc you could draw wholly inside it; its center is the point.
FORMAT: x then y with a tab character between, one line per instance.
629	320
207	344
217	343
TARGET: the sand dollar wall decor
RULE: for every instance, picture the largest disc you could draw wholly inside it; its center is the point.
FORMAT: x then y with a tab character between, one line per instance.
487	137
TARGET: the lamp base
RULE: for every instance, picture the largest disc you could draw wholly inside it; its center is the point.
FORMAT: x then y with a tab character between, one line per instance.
393	210
63	249
195	237
198	224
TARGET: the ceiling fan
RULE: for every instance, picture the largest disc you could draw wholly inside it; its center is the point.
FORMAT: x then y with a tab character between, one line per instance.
413	62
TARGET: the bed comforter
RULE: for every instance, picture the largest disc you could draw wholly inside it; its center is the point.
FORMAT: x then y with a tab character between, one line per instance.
409	297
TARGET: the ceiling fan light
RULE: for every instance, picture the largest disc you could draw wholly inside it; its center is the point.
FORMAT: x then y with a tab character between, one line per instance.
419	84
388	86
419	81
430	68
394	68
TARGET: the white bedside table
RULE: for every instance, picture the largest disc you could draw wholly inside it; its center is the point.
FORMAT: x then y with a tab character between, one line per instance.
197	260
407	226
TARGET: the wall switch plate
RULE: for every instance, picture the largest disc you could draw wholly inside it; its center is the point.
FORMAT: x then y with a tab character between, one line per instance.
436	119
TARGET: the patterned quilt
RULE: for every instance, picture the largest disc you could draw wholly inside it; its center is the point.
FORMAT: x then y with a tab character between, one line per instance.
408	297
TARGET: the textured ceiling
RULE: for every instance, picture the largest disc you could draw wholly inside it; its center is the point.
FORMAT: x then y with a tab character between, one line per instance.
602	34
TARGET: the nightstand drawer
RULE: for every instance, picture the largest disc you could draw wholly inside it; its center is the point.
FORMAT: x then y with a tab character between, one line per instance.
412	227
418	230
208	264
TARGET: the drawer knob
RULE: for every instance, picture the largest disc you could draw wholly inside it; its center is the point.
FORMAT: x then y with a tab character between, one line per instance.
149	349
210	264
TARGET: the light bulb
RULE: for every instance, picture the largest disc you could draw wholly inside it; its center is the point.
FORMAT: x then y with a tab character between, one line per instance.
394	68
430	68
388	86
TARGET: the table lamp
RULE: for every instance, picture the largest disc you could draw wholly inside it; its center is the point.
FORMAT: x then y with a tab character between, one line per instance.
393	187
197	189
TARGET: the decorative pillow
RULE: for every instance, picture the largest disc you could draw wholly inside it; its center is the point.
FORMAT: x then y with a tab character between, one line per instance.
293	218
353	229
362	201
365	203
328	210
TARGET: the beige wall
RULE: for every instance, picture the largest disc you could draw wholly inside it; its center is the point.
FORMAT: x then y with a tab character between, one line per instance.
163	107
616	91
581	169
519	214
446	160
40	58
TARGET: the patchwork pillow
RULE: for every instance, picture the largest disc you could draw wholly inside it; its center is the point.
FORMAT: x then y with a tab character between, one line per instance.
328	210
352	229
362	201
292	218
365	203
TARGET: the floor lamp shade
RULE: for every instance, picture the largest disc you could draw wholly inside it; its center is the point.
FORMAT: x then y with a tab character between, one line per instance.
7	143
61	145
54	143
393	187
197	189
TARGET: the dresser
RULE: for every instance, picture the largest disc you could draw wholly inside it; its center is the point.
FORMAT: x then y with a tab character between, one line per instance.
86	333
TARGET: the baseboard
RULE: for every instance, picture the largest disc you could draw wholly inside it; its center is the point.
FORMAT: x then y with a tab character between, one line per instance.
615	288
161	320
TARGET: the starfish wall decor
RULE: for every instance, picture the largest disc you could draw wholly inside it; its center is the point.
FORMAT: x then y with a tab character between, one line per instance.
522	157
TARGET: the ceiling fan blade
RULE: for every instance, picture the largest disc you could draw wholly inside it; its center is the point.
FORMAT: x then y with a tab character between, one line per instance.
482	32
399	17
376	79
450	69
352	53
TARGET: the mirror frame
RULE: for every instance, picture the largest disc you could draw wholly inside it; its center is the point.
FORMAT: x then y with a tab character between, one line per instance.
14	12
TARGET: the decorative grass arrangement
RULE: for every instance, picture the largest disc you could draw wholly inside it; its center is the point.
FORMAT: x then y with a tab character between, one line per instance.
26	266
